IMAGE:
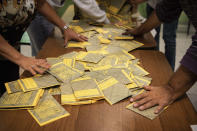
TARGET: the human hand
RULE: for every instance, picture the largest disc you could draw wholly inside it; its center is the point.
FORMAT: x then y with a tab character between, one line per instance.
69	34
132	32
136	1
161	96
33	65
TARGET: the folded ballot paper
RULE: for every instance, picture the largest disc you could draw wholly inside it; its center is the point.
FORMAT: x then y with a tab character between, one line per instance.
20	99
148	113
86	88
68	97
13	87
64	73
113	90
38	82
47	110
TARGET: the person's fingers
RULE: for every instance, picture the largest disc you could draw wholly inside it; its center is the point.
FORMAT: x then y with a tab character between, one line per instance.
138	97
43	63
160	108
32	71
37	69
79	39
83	37
142	102
44	66
148	88
65	41
126	33
147	105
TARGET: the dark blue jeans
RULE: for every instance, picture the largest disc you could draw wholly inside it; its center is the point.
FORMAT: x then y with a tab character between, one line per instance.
39	30
169	37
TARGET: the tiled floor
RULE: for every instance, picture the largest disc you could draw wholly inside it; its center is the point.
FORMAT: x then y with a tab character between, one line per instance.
183	42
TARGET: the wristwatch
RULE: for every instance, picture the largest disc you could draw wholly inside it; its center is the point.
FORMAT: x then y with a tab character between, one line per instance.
65	27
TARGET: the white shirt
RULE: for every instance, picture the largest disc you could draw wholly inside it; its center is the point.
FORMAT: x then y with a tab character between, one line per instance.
153	3
90	9
56	3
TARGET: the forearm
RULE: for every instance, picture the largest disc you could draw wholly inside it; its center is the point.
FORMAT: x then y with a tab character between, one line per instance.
149	24
181	81
46	10
8	51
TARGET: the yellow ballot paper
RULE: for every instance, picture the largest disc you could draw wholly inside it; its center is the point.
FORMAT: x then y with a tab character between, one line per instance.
101	31
148	113
93	57
64	73
127	45
35	83
53	60
137	70
54	90
124	38
70	55
68	97
78	44
48	110
113	90
20	99
77	29
13	87
120	75
103	40
86	88
97	75
69	62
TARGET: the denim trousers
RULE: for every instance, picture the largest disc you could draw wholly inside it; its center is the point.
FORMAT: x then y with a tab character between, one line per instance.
39	30
169	37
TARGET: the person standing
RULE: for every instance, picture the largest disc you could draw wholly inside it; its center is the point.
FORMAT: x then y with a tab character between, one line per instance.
186	75
15	17
40	28
169	31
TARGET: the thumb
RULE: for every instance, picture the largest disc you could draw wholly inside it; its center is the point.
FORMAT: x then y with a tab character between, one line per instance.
128	32
65	41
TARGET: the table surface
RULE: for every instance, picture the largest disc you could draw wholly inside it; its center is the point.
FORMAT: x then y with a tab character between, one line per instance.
101	116
148	41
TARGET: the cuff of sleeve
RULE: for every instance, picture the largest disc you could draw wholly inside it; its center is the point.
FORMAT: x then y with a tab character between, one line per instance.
190	63
107	21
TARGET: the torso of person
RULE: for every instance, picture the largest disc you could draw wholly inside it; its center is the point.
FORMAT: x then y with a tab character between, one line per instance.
15	17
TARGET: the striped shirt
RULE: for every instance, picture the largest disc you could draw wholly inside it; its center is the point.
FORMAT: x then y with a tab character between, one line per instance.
169	10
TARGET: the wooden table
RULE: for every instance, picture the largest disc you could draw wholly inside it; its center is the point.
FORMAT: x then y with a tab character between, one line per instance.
103	117
148	41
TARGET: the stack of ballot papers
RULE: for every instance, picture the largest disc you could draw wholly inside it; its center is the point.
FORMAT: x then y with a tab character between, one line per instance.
105	71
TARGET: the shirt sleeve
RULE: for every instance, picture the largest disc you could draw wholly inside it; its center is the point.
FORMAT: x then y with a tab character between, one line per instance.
189	60
168	10
91	9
